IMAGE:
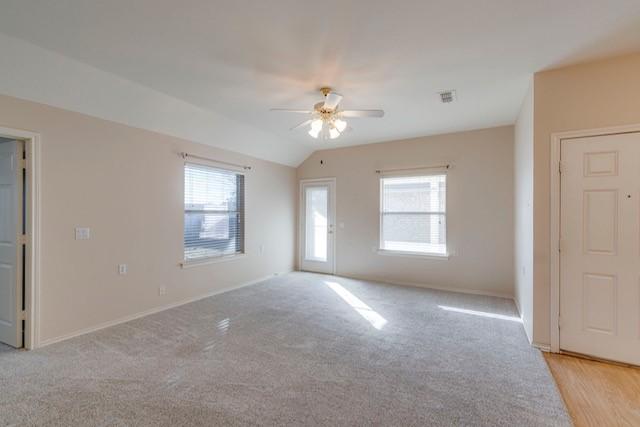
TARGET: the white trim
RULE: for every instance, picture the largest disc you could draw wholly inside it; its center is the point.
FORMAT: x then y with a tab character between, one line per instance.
301	223
211	260
152	311
433	287
554	262
408	254
543	347
554	279
32	288
524	320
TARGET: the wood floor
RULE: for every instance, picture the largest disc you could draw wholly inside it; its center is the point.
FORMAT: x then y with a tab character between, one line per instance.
597	393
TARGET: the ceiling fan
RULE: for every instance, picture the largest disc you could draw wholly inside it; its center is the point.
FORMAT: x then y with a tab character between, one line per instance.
326	119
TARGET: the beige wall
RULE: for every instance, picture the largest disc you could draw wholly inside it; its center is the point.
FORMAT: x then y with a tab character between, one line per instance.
523	215
480	209
587	96
126	184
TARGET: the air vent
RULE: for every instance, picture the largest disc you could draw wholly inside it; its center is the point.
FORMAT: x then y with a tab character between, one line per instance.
447	96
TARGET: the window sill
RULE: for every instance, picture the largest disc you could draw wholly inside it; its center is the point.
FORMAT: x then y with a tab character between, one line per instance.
210	260
422	255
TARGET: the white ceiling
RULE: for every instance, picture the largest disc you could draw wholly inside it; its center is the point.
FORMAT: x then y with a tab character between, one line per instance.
236	59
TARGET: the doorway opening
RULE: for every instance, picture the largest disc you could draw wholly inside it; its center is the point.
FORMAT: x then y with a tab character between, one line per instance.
19	226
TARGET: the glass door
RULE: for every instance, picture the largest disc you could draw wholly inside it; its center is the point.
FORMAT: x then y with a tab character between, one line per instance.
317	225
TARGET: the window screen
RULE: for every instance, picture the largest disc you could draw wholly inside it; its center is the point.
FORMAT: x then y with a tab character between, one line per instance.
213	212
413	214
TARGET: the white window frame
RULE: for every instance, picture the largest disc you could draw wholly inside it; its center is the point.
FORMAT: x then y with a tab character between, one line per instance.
186	263
412	254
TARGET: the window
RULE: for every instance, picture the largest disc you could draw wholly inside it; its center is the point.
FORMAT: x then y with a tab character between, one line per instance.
413	214
213	212
316	239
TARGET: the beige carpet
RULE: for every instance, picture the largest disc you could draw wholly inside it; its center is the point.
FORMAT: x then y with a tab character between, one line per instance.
300	349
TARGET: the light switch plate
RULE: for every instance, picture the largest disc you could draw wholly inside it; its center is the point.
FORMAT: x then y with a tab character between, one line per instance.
83	233
122	269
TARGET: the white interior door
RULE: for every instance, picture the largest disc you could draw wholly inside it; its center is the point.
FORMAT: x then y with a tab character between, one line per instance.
600	247
10	247
317	221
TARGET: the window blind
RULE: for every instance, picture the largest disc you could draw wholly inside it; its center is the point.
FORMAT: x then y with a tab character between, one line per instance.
213	212
413	214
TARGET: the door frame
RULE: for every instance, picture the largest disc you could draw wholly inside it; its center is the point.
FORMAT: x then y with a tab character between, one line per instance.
555	173
32	262
301	212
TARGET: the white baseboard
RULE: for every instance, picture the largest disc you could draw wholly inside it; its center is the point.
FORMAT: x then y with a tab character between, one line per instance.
542	347
524	320
150	311
515	301
428	286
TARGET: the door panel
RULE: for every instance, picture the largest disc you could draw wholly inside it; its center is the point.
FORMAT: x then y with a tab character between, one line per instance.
600	216
10	226
317	199
600	303
600	250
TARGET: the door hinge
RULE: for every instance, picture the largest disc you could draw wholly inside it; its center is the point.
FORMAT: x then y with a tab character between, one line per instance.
23	163
23	315
559	322
22	239
560	167
560	245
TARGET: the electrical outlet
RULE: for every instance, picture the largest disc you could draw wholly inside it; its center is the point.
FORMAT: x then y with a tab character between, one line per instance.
162	290
122	269
83	233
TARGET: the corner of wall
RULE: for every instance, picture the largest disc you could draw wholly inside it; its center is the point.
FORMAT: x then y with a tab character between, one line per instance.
523	211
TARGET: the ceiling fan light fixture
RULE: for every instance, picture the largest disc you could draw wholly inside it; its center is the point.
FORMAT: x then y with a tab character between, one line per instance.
315	132
334	133
316	125
341	125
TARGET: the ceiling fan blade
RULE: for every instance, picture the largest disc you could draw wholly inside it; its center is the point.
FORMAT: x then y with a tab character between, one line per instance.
331	101
303	124
285	110
361	113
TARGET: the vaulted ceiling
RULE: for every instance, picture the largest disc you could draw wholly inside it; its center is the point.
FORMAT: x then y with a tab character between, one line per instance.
224	64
